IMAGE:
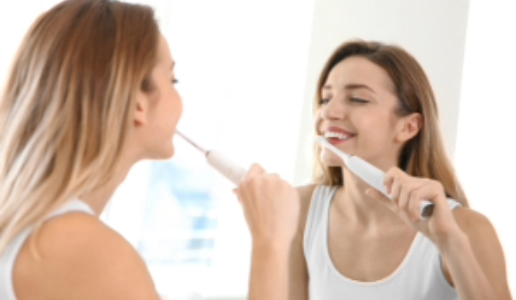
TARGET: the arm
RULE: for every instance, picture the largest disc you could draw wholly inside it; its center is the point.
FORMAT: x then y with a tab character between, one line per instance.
473	258
271	209
269	271
298	279
81	258
472	255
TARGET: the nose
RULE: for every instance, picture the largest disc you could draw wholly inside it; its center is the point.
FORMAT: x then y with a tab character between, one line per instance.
333	110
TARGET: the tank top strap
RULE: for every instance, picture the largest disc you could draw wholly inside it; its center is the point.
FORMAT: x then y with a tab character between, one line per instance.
317	214
453	204
8	257
73	206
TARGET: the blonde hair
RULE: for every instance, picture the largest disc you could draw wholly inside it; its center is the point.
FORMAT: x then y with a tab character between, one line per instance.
422	156
66	108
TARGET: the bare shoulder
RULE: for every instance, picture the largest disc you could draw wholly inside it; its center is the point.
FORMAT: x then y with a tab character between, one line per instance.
473	223
480	231
298	279
81	258
305	194
306	191
486	247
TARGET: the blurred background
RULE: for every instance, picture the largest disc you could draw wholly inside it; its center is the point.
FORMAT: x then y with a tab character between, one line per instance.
248	71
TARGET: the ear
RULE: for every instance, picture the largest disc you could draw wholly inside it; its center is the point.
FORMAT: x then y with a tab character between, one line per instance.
409	127
141	112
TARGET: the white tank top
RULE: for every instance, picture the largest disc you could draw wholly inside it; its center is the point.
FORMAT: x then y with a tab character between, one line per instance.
8	257
419	276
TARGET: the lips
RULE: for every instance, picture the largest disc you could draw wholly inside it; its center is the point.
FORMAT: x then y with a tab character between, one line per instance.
337	135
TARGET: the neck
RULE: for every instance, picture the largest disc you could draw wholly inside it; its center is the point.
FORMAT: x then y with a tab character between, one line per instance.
353	203
98	198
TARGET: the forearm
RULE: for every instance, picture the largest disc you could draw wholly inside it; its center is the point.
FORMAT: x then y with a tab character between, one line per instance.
468	277
269	272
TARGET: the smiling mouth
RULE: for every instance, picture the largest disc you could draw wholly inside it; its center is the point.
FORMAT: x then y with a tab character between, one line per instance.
337	137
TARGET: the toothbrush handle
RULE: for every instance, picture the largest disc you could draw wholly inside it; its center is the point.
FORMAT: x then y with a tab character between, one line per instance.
235	174
427	208
225	166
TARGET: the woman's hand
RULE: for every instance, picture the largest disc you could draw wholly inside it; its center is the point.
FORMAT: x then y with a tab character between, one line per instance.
407	192
271	207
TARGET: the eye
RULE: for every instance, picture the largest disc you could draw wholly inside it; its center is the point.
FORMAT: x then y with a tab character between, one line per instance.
358	100
324	101
174	81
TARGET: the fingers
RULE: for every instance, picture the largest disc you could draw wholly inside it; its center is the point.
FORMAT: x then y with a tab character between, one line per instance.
432	191
391	182
270	205
407	192
254	170
414	204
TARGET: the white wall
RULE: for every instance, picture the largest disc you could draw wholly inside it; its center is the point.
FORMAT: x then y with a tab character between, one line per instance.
432	30
486	146
241	66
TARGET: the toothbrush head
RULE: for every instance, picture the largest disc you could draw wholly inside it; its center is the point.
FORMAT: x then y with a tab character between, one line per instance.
324	142
189	141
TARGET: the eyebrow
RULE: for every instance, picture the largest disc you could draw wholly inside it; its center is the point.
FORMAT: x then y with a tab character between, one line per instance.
172	65
352	86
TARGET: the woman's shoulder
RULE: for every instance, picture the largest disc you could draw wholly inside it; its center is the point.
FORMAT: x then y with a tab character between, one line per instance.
486	246
306	193
472	222
77	254
481	233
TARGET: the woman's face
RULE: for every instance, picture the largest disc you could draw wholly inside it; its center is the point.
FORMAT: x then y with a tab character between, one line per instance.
357	113
164	107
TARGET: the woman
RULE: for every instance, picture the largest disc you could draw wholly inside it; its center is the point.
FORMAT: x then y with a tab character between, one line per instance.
91	93
375	101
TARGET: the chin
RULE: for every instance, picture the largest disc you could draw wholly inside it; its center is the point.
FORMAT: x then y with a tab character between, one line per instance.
170	153
331	164
163	154
331	160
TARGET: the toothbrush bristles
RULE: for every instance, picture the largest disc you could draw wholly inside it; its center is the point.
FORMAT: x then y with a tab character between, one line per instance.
191	142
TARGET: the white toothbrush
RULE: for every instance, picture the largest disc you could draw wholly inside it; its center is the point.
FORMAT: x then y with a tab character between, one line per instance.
219	162
370	174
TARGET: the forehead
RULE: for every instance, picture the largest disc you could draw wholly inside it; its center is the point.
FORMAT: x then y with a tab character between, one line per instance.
164	56
359	70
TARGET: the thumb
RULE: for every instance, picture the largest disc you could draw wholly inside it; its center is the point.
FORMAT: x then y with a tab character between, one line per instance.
254	170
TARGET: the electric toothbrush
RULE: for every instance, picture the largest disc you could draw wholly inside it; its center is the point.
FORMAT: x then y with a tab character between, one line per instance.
370	174
219	162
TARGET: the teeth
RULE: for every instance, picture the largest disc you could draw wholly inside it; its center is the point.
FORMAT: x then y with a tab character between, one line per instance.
337	135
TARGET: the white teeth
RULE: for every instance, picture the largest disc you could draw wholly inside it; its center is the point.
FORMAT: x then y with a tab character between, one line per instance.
337	135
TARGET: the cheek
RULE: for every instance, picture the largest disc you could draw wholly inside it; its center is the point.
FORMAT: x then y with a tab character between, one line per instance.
381	132
176	104
317	127
318	123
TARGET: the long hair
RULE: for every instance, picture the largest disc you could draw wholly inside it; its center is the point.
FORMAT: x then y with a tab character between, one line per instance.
422	156
67	105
